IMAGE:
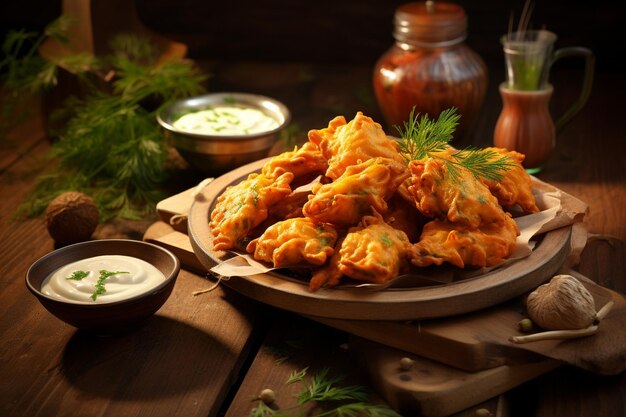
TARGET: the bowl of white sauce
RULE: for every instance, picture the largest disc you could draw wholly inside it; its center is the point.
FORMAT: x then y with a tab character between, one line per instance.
218	132
104	286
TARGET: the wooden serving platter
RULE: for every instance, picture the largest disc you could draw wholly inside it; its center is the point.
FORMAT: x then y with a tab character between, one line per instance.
434	301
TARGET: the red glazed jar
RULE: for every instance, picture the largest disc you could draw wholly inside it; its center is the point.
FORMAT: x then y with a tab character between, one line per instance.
430	66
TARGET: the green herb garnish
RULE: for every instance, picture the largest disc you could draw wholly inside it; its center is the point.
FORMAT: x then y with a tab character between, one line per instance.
326	398
481	163
422	137
23	72
386	240
104	274
78	275
109	145
297	376
99	286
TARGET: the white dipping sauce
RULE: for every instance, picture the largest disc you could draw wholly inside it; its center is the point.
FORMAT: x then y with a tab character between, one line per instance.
226	120
141	277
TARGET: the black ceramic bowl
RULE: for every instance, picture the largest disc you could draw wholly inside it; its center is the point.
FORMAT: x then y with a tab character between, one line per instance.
110	317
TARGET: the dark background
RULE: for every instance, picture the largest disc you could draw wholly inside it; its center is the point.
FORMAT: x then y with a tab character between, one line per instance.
340	31
317	57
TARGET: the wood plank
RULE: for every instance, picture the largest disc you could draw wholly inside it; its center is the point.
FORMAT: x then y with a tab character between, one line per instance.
435	390
570	391
455	341
25	135
470	342
294	343
181	362
164	235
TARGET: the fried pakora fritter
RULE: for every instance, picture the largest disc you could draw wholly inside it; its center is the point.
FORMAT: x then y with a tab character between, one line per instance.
515	187
329	275
359	217
458	197
305	163
289	207
443	241
294	241
373	252
356	192
244	206
344	144
402	215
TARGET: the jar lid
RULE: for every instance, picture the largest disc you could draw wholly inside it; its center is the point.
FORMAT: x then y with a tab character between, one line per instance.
430	22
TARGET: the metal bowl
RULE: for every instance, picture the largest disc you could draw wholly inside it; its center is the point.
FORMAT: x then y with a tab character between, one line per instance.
217	154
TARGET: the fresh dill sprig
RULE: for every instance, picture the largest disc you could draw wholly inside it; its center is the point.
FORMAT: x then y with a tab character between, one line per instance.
481	163
422	136
23	72
264	410
282	355
326	398
110	146
297	376
324	388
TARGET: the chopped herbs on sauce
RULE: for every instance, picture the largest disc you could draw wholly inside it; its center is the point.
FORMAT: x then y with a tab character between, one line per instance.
104	274
99	286
78	275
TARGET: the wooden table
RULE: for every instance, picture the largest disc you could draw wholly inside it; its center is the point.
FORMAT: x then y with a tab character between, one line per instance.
210	355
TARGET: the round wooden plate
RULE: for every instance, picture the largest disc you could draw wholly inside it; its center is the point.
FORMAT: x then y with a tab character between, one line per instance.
443	300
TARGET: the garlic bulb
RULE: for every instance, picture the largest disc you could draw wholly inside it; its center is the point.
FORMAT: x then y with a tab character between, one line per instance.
562	304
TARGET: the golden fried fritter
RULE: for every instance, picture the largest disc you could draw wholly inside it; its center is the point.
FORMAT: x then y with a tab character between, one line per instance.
404	216
294	241
304	163
329	275
289	207
461	198
373	252
443	241
351	196
515	186
344	144
244	206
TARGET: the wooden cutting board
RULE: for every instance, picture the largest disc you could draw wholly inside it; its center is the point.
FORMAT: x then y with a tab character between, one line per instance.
432	389
455	341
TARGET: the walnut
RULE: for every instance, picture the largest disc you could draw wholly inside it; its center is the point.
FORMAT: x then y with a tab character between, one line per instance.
71	217
562	304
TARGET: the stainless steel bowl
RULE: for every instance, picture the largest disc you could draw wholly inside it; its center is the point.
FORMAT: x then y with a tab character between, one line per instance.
217	154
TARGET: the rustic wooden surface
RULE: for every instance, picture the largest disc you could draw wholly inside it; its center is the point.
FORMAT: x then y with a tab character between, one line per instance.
210	355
